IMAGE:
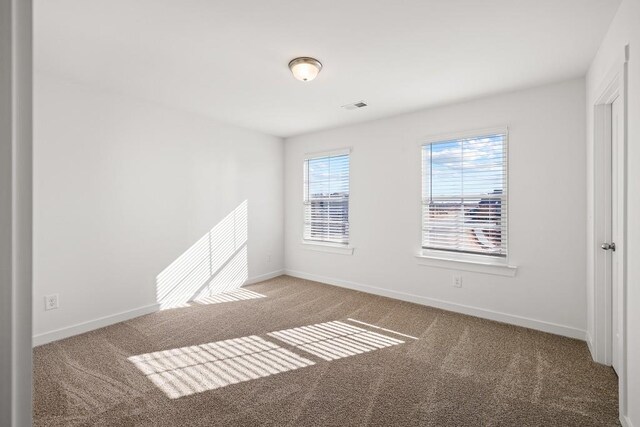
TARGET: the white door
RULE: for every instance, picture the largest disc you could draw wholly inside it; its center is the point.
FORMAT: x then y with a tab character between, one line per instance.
616	194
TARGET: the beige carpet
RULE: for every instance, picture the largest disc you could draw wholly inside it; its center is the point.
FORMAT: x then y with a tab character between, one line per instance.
300	356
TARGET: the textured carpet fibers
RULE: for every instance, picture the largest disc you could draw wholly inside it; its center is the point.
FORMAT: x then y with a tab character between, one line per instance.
309	354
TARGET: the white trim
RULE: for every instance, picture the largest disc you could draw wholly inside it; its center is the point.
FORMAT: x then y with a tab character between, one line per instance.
450	263
553	328
263	277
16	212
498	130
443	137
622	383
589	340
327	248
625	421
91	325
329	153
341	249
101	322
613	85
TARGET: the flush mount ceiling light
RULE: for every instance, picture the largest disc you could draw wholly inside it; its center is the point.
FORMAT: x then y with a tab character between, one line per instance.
305	69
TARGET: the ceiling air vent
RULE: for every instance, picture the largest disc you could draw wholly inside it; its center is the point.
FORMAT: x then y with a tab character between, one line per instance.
354	105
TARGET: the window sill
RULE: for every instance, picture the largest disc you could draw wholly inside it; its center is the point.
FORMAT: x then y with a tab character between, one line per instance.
478	266
327	247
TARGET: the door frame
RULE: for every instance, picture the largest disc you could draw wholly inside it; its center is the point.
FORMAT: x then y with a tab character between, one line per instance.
600	342
16	129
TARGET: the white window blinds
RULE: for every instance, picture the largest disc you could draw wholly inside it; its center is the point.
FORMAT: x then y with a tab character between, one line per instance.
464	195
326	197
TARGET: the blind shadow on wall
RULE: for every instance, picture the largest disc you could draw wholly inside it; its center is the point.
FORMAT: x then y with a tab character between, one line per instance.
213	269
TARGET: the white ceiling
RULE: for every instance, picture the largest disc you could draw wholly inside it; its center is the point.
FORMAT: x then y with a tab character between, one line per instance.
228	59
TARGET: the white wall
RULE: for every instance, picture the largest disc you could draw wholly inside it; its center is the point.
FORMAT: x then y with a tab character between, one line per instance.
547	169
122	188
624	29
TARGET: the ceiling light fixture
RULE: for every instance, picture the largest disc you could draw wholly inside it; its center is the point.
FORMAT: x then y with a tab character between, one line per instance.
305	69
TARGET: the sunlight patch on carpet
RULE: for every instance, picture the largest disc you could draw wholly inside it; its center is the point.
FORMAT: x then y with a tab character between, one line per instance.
184	371
194	369
334	340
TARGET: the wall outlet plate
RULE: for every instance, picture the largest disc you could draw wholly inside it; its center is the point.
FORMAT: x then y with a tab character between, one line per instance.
51	302
457	281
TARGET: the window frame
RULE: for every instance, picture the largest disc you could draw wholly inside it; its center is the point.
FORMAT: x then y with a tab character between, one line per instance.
323	245
461	260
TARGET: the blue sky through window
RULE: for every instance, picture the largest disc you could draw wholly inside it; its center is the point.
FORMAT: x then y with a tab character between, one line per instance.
328	176
464	167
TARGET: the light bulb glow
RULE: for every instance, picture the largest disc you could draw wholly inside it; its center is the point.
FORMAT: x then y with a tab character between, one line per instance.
305	69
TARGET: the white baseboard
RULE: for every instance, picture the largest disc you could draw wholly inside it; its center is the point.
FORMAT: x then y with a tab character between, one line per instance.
512	319
263	277
625	421
589	340
101	322
90	325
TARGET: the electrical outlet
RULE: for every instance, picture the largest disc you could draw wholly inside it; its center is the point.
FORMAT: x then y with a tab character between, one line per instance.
51	302
457	281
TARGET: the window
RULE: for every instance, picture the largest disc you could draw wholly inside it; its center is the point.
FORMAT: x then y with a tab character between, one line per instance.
464	195
326	198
